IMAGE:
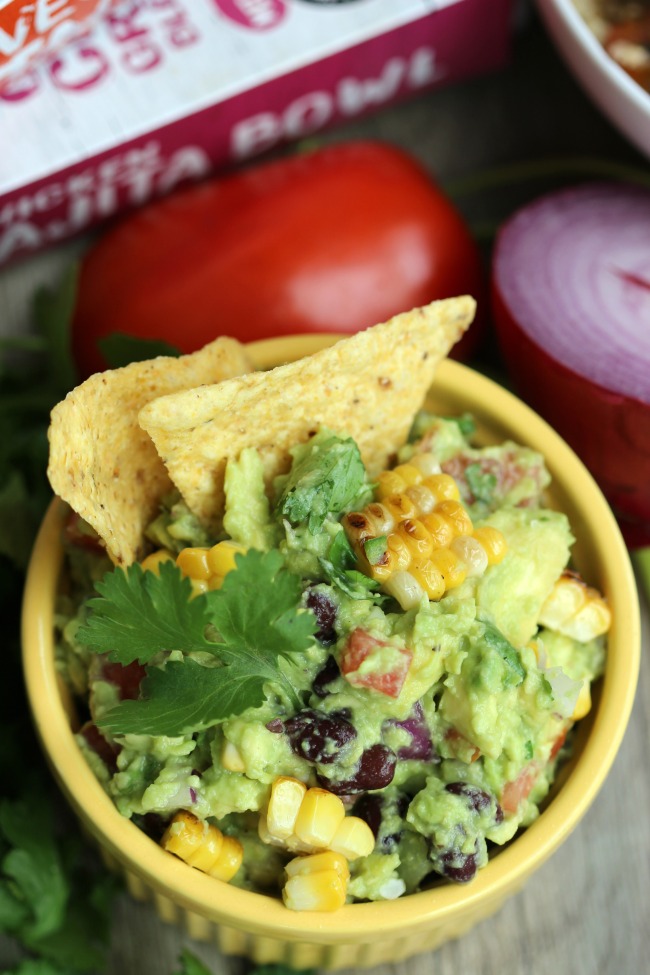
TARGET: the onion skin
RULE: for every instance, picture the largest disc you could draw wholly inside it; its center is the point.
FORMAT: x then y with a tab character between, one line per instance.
609	431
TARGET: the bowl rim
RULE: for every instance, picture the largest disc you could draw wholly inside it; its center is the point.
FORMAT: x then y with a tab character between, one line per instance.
592	47
355	923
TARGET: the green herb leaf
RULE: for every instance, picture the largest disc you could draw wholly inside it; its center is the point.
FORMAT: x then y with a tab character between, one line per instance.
375	549
339	570
190	965
481	483
327	475
32	869
139	614
257	620
495	639
53	310
120	349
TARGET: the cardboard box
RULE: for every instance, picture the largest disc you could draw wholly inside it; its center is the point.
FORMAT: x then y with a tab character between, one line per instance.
167	91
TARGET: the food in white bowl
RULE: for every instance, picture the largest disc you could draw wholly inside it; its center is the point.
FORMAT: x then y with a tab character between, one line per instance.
579	36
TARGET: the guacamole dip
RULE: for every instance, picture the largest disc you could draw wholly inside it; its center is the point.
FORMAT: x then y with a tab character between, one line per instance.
383	673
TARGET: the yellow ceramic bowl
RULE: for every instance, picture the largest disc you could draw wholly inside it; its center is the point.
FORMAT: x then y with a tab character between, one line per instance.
360	934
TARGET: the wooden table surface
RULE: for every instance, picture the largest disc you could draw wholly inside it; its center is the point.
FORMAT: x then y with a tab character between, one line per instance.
586	911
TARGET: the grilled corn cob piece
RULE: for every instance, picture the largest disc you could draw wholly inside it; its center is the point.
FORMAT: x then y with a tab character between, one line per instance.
206	568
575	609
417	539
316	883
203	846
312	820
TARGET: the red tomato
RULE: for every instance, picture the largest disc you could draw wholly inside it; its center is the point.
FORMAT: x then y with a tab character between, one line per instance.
334	240
519	789
361	645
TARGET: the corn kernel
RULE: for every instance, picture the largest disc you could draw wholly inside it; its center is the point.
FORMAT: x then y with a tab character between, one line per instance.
153	561
321	891
471	553
450	566
381	518
221	557
229	860
453	512
199	586
406	589
399	553
389	483
285	801
418	540
319	816
439	528
196	842
583	702
493	542
428	575
409	473
400	506
443	487
353	838
231	758
317	862
193	562
575	609
422	498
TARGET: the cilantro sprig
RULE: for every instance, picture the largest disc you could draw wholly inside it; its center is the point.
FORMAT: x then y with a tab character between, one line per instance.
327	474
244	632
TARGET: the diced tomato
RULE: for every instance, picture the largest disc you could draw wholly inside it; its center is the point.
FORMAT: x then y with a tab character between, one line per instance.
106	751
519	789
127	677
361	646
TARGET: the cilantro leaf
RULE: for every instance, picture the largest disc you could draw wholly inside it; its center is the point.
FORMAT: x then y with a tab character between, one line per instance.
32	870
258	622
495	639
190	965
327	475
139	614
339	570
119	349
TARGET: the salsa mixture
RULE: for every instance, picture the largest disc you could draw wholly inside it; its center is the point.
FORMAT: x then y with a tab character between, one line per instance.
623	28
354	689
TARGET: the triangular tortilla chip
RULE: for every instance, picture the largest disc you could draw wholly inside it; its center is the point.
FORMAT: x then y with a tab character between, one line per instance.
368	386
103	463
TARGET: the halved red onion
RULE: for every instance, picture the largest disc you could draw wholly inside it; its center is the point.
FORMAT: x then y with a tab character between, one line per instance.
571	303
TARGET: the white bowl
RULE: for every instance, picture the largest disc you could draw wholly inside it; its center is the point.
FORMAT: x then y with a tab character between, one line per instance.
619	97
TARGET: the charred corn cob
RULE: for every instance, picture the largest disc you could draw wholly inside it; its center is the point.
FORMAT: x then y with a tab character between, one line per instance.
316	883
575	609
206	568
312	820
417	539
203	846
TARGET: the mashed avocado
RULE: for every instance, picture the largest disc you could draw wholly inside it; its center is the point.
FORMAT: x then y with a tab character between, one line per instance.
437	716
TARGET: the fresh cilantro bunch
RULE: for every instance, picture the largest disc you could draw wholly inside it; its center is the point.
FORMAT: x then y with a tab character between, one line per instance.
225	645
327	475
53	900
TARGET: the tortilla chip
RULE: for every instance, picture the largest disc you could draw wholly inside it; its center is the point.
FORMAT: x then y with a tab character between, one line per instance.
368	386
103	463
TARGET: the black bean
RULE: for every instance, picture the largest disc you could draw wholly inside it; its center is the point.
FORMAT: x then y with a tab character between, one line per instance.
317	736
